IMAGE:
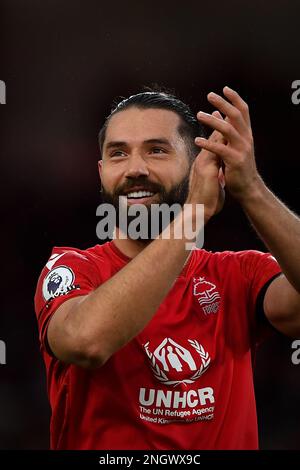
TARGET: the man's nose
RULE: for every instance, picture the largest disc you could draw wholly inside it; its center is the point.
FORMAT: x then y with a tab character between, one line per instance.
136	167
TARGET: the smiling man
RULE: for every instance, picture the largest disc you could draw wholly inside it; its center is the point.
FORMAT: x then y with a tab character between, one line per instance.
151	132
148	345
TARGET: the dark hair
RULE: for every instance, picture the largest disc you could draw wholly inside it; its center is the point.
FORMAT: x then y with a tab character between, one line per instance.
189	128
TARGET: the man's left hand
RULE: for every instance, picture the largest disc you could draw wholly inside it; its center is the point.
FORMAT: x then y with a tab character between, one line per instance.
237	152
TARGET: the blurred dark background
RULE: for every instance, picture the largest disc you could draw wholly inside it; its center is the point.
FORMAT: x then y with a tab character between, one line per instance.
63	63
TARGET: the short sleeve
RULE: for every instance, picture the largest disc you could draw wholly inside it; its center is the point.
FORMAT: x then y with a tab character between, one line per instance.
68	273
259	269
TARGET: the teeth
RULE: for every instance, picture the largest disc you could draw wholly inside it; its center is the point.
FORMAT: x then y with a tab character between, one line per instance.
139	194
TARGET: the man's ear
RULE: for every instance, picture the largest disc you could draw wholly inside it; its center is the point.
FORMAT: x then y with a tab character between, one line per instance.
100	163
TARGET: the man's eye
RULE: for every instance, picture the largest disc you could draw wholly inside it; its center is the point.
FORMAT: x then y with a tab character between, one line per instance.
158	150
117	153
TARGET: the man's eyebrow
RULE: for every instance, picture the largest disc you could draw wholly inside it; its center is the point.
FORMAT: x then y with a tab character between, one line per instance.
115	143
160	140
119	143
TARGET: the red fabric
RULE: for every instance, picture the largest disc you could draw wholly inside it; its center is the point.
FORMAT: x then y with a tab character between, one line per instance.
185	382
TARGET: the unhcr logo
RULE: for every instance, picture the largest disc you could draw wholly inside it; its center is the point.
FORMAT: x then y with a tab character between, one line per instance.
2	92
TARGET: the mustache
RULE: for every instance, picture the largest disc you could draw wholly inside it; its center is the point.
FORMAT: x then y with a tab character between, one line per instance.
147	186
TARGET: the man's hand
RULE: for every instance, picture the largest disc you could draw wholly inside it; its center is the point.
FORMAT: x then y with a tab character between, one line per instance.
278	227
206	185
236	150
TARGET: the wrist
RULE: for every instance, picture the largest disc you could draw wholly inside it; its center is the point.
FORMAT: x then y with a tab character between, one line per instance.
187	225
252	193
254	196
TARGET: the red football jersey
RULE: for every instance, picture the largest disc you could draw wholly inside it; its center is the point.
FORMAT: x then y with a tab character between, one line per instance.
185	382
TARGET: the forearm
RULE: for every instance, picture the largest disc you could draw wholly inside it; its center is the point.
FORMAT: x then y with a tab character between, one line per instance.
121	307
278	227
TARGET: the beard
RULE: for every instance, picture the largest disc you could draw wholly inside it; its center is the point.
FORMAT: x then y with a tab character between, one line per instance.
150	229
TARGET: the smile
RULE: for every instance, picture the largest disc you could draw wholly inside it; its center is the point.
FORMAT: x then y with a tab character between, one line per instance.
139	194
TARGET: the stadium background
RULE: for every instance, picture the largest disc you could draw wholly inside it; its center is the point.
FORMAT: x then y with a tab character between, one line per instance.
63	64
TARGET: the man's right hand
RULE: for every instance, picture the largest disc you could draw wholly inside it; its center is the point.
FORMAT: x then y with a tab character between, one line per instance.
206	184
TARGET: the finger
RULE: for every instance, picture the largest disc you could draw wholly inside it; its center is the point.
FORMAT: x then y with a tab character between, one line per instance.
238	102
220	136
221	178
225	127
215	136
217	114
220	149
233	113
221	197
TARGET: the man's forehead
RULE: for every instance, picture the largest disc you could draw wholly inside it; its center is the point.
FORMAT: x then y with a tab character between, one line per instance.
143	124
